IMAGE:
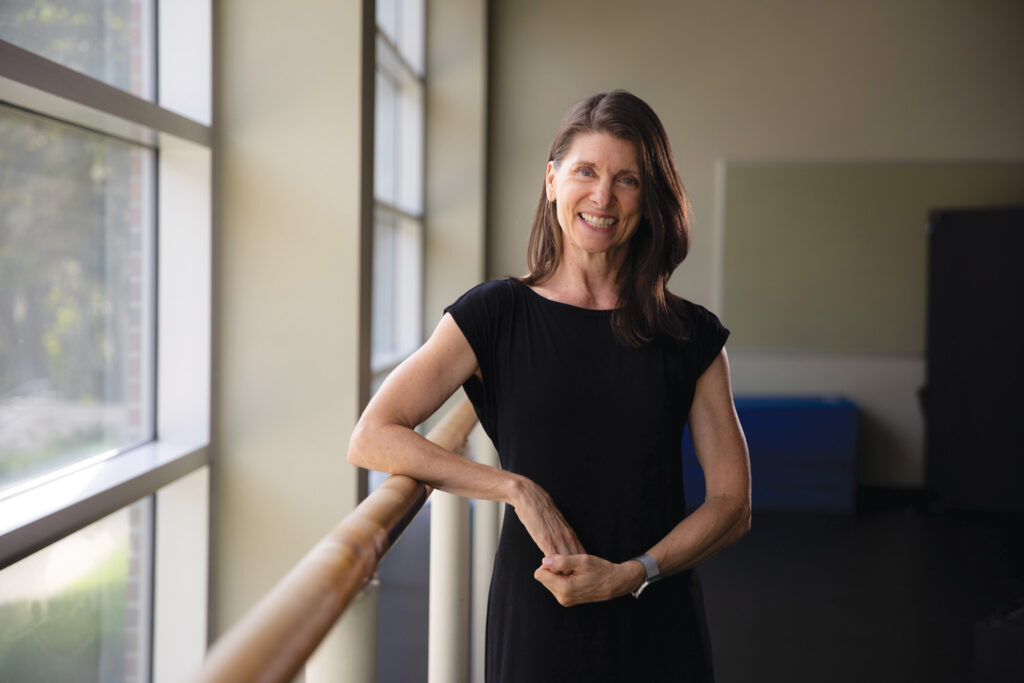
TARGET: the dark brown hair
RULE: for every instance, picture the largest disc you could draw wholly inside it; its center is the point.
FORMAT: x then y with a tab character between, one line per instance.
648	310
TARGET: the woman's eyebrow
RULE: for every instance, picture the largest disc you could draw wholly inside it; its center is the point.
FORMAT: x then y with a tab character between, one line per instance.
584	162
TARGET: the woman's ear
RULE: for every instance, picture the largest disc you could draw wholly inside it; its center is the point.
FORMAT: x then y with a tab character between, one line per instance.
549	182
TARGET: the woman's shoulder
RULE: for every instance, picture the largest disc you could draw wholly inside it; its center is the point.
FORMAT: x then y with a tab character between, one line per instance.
492	290
699	317
486	296
692	317
706	335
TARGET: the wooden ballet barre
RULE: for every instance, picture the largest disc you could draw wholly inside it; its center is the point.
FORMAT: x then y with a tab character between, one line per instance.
274	639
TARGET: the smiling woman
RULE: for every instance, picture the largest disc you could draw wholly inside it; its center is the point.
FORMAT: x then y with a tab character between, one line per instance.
584	374
635	151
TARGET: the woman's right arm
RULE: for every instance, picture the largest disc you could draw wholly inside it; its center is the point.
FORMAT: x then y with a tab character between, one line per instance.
384	439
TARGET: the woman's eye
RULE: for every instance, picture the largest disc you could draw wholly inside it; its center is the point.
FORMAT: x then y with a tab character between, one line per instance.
630	180
586	172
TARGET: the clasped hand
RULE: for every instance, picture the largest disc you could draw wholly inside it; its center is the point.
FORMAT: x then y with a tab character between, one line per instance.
578	579
572	576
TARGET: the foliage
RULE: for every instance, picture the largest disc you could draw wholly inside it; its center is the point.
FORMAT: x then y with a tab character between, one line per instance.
61	228
78	635
85	35
71	241
58	451
71	264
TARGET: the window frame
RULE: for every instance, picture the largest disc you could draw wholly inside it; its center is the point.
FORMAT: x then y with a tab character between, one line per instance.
383	366
173	468
35	513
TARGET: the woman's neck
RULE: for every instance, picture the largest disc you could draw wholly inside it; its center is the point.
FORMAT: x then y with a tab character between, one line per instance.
593	285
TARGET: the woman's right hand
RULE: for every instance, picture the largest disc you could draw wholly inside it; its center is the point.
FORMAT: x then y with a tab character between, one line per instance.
543	521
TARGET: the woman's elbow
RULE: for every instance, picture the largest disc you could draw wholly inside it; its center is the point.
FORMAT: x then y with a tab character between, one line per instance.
739	517
742	525
359	447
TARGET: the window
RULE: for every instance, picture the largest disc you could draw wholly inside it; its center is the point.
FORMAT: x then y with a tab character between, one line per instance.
398	184
79	610
105	295
76	272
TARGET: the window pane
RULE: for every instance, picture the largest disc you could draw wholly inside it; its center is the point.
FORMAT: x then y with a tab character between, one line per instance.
387	18
402	21
410	162
397	287
398	154
76	272
110	40
411	33
383	287
79	609
385	139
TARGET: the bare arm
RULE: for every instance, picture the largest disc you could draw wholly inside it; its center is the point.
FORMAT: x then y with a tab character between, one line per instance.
384	439
719	521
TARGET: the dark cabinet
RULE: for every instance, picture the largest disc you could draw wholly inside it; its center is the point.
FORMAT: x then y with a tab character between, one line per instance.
973	398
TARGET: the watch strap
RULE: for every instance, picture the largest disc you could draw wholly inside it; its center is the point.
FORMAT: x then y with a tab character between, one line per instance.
651	573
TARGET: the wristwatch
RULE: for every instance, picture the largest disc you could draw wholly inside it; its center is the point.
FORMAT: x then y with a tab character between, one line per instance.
651	572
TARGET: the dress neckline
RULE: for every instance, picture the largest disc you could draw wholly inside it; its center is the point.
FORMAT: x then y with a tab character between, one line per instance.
599	312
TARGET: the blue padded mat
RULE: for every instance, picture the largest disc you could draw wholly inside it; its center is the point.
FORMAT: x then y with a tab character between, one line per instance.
802	453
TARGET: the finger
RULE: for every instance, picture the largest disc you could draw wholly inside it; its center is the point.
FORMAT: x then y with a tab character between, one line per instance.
563	564
560	564
549	579
555	583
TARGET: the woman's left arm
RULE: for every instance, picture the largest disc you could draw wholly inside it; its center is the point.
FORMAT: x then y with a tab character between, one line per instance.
719	521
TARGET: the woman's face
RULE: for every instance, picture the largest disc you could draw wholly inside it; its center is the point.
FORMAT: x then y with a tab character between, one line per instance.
598	194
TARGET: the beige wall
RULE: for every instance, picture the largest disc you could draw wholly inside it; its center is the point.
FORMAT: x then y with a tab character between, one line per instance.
287	291
821	235
455	156
285	366
751	80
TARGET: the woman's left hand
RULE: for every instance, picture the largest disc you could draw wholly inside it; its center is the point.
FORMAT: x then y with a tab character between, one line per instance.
578	579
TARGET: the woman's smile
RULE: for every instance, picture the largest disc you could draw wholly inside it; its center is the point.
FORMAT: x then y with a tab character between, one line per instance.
597	221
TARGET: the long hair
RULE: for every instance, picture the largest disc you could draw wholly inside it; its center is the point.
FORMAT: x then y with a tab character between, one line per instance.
648	310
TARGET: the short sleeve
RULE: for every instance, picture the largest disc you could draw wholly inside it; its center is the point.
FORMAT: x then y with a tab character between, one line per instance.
707	337
481	314
478	314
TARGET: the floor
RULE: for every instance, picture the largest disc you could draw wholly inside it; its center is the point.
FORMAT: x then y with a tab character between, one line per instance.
892	593
895	593
402	629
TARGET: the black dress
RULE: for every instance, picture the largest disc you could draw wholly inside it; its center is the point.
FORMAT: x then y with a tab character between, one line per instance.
599	426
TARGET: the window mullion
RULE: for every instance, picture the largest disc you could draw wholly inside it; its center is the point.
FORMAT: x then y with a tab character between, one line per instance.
396	55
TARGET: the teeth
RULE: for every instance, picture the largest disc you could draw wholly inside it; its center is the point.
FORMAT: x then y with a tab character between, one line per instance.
598	221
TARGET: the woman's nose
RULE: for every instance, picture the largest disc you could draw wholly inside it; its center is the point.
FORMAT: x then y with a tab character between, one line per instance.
602	194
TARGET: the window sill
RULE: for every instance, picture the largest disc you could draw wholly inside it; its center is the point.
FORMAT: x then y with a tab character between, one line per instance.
34	518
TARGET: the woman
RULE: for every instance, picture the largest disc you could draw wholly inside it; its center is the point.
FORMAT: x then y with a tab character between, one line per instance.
584	373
